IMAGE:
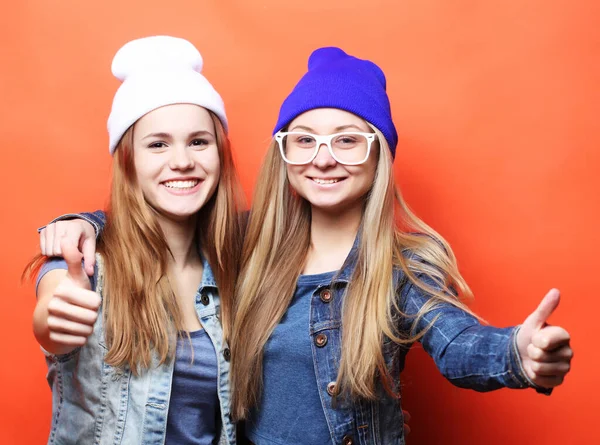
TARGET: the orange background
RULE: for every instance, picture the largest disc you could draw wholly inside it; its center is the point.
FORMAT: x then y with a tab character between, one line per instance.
497	107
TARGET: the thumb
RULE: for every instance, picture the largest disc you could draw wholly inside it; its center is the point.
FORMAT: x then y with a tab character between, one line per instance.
548	305
72	257
88	247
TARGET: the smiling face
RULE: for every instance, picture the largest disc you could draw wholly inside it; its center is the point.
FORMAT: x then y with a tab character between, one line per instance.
176	159
326	184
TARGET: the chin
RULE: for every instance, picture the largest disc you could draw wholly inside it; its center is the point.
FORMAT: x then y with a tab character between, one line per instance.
179	214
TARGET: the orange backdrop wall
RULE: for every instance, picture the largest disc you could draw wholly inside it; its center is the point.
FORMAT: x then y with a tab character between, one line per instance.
497	107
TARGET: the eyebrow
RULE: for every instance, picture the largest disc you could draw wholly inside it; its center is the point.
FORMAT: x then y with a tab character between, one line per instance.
340	128
169	136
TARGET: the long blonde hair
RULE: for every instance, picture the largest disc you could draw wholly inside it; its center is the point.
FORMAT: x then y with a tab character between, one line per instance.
141	313
275	248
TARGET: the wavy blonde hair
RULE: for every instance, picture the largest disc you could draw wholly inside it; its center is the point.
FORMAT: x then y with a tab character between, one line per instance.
275	248
141	313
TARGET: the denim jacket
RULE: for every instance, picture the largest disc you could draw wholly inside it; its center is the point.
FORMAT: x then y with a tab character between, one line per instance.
95	403
468	354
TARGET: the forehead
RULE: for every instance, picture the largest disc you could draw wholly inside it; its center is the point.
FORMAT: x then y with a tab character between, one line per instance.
328	120
176	118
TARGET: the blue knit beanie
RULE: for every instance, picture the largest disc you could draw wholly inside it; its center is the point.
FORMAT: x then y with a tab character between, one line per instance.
338	80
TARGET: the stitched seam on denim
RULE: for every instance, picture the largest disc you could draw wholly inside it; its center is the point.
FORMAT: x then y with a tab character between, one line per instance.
63	358
70	216
122	417
100	417
60	402
519	373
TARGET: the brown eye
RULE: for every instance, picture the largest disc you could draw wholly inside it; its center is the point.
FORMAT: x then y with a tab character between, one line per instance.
199	142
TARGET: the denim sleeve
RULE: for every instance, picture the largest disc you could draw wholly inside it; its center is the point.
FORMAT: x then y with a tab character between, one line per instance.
97	219
469	354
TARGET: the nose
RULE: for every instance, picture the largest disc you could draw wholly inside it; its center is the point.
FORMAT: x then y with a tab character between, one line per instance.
181	159
324	158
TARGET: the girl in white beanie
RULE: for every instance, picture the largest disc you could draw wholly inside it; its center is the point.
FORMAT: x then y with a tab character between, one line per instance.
138	353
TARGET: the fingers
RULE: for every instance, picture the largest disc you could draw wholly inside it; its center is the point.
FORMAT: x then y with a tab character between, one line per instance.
72	257
75	231
67	339
406	415
550	338
406	429
564	353
43	241
88	247
550	369
48	240
546	381
65	326
76	296
62	309
406	421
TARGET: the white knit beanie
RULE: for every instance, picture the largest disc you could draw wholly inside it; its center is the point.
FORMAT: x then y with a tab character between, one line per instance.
158	71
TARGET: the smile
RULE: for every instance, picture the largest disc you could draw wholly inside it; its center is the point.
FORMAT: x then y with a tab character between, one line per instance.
326	181
181	185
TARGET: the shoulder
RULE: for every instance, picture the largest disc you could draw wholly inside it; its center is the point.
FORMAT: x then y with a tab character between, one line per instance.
419	278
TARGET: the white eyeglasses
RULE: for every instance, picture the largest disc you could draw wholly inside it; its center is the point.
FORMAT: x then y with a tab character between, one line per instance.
348	148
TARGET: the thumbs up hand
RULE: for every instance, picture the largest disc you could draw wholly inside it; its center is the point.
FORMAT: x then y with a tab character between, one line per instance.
545	350
73	307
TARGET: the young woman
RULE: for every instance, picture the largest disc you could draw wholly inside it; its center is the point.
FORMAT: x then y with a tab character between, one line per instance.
339	278
140	355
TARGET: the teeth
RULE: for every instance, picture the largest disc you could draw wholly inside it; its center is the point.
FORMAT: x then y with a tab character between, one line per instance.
181	184
325	181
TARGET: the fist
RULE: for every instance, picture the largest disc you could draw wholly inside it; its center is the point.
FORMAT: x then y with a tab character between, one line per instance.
73	308
545	350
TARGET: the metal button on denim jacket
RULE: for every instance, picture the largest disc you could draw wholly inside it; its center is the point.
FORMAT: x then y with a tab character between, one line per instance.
95	403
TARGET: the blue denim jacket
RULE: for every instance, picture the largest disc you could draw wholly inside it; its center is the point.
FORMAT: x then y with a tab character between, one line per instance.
467	353
95	403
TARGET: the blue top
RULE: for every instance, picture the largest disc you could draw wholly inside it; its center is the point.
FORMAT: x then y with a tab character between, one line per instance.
193	419
291	411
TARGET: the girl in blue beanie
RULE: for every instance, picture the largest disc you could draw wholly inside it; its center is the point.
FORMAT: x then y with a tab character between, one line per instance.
339	278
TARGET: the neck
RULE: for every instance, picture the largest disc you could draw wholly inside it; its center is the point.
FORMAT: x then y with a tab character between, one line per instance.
180	237
331	238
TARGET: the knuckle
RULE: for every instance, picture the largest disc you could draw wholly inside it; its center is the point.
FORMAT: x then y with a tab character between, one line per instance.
94	300
53	304
569	354
92	317
534	352
52	322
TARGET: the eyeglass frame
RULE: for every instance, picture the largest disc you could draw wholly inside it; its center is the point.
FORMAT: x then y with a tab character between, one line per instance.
324	139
